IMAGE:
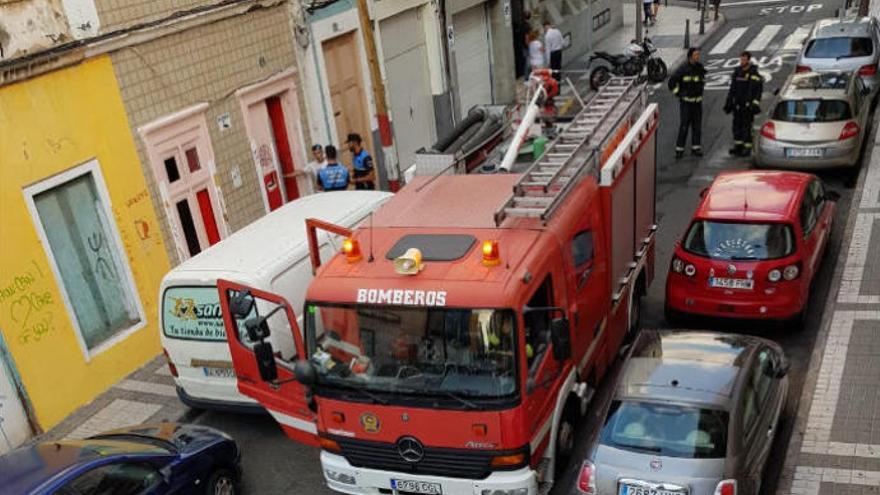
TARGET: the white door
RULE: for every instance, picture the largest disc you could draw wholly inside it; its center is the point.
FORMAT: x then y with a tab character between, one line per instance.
406	68
14	427
471	32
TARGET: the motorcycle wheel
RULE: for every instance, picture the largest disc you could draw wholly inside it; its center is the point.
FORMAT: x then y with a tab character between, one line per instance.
599	76
657	70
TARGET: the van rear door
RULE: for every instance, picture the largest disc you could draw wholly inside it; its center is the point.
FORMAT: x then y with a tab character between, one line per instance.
282	396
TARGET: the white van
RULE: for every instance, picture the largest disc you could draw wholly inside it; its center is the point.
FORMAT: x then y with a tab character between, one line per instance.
271	254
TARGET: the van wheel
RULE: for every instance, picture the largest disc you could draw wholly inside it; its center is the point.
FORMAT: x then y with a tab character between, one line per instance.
565	437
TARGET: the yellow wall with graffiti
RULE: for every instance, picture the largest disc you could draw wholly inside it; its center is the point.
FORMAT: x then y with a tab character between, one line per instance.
48	125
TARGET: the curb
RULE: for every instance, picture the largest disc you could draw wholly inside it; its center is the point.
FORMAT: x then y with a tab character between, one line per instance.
805	402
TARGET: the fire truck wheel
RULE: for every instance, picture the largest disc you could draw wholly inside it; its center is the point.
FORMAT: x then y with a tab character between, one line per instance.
635	313
565	436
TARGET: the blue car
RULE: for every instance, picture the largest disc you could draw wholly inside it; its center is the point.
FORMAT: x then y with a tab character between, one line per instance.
164	458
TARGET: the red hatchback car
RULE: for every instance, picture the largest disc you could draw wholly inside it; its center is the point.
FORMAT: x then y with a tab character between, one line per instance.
752	248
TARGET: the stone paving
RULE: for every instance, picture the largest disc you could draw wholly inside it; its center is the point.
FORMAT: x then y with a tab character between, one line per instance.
835	447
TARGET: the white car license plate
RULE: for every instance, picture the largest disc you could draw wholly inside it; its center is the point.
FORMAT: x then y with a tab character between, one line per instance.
804	152
219	372
732	283
417	487
644	490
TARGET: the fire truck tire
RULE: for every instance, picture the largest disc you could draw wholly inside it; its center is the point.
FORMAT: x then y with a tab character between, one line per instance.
635	311
565	437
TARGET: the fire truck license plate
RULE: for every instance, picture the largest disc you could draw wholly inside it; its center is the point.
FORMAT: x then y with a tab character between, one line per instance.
732	283
413	486
643	490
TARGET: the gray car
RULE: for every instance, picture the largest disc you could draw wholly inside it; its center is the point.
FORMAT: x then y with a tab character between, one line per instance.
819	120
691	413
849	44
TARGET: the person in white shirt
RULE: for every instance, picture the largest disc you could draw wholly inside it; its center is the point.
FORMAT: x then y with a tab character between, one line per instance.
553	45
536	51
314	166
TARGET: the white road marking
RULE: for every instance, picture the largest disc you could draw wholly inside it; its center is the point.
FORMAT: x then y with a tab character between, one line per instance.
857	261
728	40
871	191
795	40
764	37
817	436
807	479
752	2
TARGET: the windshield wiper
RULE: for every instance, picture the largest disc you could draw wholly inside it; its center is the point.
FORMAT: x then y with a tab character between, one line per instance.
465	402
655	450
375	398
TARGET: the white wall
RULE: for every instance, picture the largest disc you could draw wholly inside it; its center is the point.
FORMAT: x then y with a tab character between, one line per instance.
30	26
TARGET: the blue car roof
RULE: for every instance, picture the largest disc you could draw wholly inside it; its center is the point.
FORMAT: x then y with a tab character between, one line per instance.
28	468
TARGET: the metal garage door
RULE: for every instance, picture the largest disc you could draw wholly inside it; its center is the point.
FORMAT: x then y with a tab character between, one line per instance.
409	91
472	57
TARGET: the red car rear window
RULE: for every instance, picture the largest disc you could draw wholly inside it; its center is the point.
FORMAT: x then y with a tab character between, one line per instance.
739	241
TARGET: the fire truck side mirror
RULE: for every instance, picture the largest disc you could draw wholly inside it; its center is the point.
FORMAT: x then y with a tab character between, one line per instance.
266	361
241	304
305	372
561	338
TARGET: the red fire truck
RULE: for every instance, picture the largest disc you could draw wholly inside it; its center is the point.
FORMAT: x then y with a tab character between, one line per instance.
455	341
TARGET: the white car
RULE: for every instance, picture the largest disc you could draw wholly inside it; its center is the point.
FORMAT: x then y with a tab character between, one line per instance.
850	44
271	254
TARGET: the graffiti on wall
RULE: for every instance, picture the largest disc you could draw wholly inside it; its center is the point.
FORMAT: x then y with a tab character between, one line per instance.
28	306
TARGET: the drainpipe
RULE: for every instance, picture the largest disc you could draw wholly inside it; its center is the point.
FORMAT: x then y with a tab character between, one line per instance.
388	152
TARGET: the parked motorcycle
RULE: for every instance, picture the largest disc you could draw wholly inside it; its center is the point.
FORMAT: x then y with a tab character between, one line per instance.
633	62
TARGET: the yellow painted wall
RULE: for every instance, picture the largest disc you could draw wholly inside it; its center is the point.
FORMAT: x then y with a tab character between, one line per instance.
48	125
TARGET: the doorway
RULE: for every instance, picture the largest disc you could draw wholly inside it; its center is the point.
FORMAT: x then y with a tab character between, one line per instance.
347	92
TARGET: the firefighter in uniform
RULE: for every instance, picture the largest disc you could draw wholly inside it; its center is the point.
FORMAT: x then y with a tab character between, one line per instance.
687	84
744	100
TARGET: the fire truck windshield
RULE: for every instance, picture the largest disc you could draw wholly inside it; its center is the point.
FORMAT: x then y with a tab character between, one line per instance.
414	351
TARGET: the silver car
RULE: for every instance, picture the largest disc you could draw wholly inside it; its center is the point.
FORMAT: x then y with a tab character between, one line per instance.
819	120
850	44
691	413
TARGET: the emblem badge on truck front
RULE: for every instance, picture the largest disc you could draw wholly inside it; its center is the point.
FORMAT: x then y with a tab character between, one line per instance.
410	449
370	423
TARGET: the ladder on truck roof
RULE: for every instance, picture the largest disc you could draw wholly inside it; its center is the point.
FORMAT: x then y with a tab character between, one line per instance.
574	153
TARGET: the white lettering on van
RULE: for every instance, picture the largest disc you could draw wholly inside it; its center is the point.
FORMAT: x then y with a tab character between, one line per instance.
400	297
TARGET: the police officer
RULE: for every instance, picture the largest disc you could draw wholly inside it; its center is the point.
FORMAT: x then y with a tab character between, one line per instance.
362	162
687	84
333	177
744	100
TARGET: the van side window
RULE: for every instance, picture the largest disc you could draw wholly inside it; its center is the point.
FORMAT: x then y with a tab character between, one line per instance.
537	323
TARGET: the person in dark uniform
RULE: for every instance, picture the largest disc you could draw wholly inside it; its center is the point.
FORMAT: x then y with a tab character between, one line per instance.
362	163
334	176
687	84
744	100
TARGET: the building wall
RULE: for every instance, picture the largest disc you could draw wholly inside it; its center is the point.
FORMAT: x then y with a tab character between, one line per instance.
117	14
209	63
52	124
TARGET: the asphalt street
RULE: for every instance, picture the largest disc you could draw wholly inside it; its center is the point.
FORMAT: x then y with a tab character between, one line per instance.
771	30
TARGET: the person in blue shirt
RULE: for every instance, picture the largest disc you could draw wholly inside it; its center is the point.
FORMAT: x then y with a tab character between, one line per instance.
362	162
334	176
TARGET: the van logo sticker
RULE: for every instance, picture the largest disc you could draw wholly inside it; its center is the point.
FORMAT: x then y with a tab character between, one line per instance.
370	423
193	313
401	297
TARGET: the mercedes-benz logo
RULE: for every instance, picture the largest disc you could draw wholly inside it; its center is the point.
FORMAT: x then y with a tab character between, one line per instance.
410	449
731	269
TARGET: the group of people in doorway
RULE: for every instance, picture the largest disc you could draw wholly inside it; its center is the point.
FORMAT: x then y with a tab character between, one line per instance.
545	52
327	173
743	101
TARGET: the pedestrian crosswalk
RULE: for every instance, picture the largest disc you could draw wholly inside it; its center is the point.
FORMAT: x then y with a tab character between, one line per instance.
761	39
728	41
764	37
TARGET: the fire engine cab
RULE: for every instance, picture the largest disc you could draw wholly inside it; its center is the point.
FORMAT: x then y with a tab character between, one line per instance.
454	343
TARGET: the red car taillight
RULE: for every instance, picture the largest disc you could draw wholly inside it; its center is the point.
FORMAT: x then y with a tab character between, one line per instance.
768	130
802	68
850	130
868	70
679	266
726	487
789	273
587	478
171	366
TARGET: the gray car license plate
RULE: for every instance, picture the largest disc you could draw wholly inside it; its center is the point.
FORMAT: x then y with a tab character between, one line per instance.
414	486
644	490
804	152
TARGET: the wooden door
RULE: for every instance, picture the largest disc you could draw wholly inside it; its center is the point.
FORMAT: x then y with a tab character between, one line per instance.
347	93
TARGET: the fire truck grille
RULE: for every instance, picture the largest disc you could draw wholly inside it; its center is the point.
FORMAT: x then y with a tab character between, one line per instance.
452	463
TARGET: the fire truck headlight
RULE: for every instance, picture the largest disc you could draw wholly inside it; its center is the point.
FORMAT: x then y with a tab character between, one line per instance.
339	477
515	491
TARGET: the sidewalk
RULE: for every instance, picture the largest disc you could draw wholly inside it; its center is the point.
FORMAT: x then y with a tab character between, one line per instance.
835	445
667	35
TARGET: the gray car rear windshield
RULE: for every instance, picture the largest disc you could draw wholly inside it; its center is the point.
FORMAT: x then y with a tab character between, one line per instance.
813	110
739	241
667	430
840	47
